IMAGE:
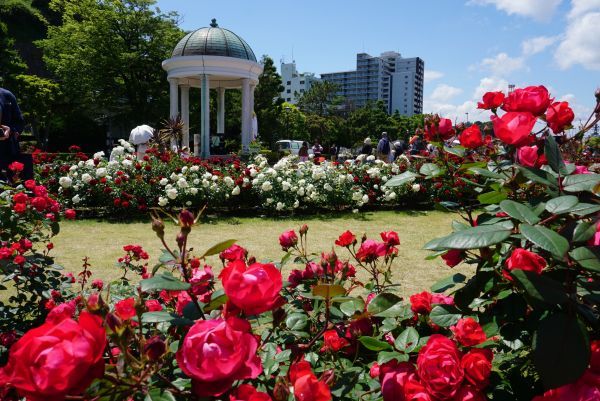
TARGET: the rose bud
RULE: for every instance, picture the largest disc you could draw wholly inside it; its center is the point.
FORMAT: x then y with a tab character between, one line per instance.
154	348
303	230
115	324
251	260
180	239
281	391
158	227
186	218
328	377
94	302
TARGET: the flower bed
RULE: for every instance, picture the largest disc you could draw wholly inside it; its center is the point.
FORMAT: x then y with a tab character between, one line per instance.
523	327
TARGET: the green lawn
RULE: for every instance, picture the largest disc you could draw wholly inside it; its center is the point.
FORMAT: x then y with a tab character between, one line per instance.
102	241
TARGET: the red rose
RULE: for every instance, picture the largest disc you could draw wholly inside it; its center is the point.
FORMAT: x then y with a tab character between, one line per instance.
471	138
16	167
333	342
98	283
39	203
438	366
234	252
70	214
524	260
530	156
491	101
246	392
453	257
595	359
370	250
59	358
442	131
255	288
533	99
513	128
20	208
442	299
374	370
559	116
215	353
125	309
393	376
468	332
477	365
346	239
390	238
153	305
306	385
586	388
288	240
421	303
468	393
20	197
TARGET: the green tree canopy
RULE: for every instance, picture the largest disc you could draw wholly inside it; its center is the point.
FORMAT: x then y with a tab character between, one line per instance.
318	99
108	53
267	103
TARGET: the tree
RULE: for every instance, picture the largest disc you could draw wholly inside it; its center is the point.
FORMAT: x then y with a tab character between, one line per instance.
293	123
267	103
370	121
10	63
108	53
318	98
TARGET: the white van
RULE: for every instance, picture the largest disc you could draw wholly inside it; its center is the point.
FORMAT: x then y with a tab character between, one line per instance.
287	145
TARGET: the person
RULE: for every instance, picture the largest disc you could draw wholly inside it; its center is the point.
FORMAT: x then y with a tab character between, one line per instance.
383	148
303	152
11	122
140	136
399	148
367	149
317	149
333	151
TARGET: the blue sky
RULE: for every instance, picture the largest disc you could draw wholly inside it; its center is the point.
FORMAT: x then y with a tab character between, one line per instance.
469	46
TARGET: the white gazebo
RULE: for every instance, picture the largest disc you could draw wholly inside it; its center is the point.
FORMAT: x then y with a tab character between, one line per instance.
211	58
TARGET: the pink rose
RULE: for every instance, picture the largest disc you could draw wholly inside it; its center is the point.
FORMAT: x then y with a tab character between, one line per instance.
288	240
438	366
514	128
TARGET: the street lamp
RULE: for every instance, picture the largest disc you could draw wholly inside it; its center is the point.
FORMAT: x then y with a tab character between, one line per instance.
287	122
467	117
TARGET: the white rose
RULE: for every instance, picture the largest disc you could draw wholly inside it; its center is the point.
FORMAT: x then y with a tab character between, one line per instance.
76	199
127	163
162	202
163	181
269	201
266	186
101	172
182	183
73	168
229	181
236	191
65	182
327	187
194	168
416	187
99	155
365	199
253	172
172	193
86	178
279	206
301	191
370	158
193	191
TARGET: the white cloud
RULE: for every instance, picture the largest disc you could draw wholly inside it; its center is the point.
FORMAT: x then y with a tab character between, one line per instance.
490	84
502	64
580	7
431	75
541	10
582	112
445	92
537	45
580	44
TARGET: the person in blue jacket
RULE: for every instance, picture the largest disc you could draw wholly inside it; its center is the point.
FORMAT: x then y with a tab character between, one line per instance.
11	126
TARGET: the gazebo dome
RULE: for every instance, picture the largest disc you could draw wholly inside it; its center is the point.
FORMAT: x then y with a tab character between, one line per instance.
214	41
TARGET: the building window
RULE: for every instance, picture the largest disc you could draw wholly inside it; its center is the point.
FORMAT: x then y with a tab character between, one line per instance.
289	82
301	90
301	82
288	91
289	99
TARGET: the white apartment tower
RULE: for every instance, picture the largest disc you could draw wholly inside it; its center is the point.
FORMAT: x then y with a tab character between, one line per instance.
294	83
397	81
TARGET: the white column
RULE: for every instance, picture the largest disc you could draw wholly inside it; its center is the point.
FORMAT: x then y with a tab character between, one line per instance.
205	116
185	115
174	98
251	118
246	116
221	111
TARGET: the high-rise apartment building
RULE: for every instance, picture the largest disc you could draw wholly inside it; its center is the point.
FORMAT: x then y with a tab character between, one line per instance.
294	83
397	81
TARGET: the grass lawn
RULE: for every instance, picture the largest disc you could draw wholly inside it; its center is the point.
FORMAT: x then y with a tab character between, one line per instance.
102	241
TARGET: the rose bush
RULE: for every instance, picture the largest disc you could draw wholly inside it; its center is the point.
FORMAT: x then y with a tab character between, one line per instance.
323	333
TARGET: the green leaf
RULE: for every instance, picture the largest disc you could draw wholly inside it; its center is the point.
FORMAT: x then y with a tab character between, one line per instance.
457	151
490	198
158	317
588	257
519	211
165	257
580	182
583	209
430	170
164	281
374	344
448	282
217	299
383	302
473	237
220	247
349	308
561	350
408	340
552	153
158	394
296	321
562	204
401	179
546	239
539	176
584	231
386	356
486	173
541	288
400	311
328	290
444	315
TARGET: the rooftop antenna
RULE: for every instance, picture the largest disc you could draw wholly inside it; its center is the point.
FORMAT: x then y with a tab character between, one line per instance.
293	61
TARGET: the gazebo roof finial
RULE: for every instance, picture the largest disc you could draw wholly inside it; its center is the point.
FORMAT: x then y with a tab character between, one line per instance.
213	23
